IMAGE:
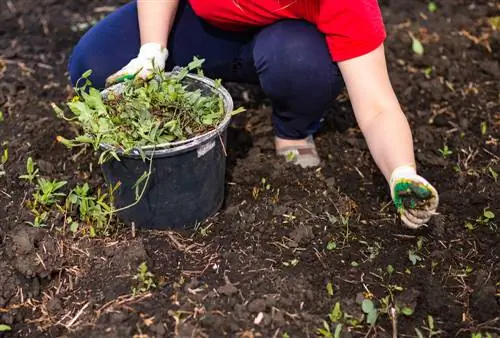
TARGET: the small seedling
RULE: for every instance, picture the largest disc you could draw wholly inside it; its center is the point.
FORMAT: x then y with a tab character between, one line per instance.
47	193
413	257
332	245
329	289
31	171
145	278
3	160
1	116
430	328
416	45
292	262
493	174
445	151
484	128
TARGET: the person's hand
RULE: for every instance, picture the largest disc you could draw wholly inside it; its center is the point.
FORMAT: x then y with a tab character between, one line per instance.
414	197
141	68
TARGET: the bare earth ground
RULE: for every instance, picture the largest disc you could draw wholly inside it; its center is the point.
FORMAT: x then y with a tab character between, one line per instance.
261	267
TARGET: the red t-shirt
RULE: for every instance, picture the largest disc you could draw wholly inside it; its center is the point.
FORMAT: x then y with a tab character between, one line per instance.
351	27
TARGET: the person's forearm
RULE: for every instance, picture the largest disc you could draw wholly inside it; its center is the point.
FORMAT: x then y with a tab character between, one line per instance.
378	111
389	139
156	18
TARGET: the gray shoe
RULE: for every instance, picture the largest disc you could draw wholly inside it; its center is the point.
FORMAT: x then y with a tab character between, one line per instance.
305	156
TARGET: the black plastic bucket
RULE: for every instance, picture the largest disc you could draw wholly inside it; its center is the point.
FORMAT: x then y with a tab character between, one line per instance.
187	179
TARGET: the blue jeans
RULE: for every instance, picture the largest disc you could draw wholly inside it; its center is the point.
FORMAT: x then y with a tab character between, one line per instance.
288	59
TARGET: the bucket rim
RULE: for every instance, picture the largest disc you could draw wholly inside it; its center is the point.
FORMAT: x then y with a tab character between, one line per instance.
184	145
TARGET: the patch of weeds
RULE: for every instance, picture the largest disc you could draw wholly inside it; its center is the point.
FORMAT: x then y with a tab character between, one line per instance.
93	211
142	114
485	219
145	280
79	206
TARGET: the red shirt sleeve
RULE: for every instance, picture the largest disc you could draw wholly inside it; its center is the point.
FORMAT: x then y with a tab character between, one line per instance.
352	27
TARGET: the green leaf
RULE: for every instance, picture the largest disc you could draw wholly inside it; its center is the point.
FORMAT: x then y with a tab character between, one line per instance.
432	6
74	227
329	288
331	245
336	313
1	116
416	45
367	306
5	156
87	74
495	22
407	311
4	328
338	331
371	317
489	214
390	269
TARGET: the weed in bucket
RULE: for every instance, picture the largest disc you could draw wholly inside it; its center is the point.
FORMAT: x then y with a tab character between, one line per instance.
163	141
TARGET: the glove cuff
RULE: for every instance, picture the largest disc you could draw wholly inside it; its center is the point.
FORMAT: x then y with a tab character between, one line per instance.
153	50
402	171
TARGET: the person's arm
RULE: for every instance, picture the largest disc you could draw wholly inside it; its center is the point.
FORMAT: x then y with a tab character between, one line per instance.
377	111
388	135
156	18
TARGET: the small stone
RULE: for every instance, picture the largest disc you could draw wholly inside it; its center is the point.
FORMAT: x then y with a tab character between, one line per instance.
228	289
159	329
278	319
330	182
257	305
232	210
45	167
54	305
118	317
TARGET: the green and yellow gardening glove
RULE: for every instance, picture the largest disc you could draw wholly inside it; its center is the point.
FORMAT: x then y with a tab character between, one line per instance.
416	200
141	68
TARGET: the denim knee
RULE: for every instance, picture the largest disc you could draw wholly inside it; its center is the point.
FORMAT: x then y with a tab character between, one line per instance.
297	72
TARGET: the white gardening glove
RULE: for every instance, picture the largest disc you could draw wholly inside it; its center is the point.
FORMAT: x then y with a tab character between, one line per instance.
414	197
151	56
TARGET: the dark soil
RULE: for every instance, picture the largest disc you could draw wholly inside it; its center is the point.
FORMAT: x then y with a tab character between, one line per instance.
260	268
